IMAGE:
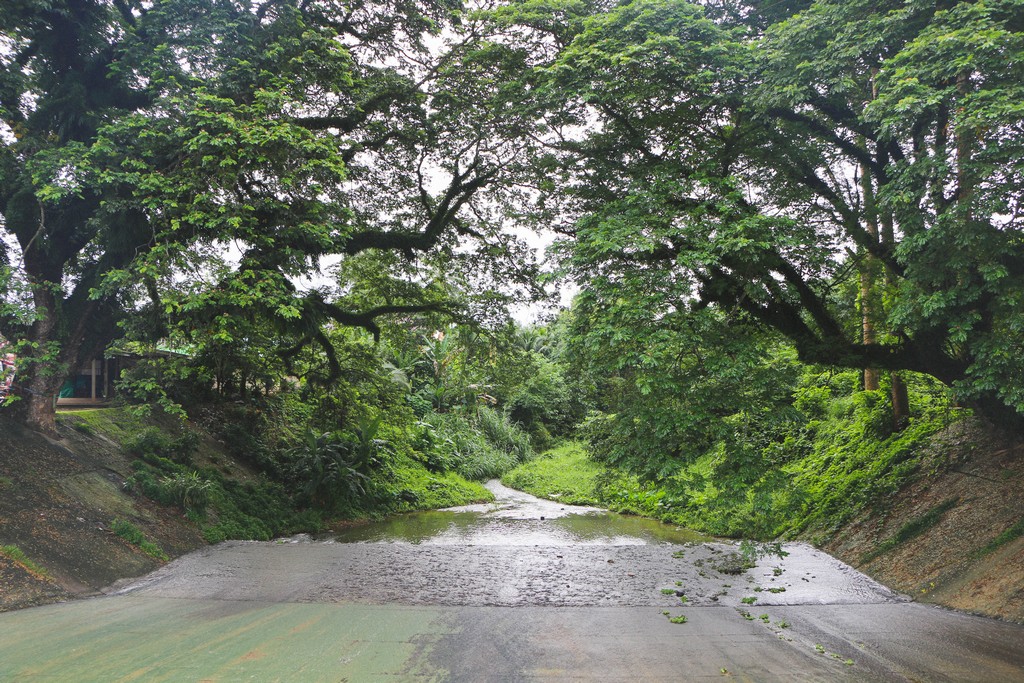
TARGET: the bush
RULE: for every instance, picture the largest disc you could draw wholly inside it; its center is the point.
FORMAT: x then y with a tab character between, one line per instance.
188	491
256	511
503	434
468	451
153	445
146	480
481	448
329	469
242	434
149	441
134	535
544	403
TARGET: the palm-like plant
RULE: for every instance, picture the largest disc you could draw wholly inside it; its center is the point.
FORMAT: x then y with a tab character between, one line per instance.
328	468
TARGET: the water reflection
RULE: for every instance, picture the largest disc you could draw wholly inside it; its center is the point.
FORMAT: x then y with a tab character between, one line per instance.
607	527
516	518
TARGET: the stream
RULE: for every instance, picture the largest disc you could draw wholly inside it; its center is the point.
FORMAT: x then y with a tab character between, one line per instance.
519	550
519	519
520	589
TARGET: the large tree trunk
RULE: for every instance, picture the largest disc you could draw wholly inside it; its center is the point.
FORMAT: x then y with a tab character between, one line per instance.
37	405
65	332
38	379
868	270
900	402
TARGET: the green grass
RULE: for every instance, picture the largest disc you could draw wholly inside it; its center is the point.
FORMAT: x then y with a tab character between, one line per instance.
565	474
114	423
1011	534
912	529
15	554
134	535
415	488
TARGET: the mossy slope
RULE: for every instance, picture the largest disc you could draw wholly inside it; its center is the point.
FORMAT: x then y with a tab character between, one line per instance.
60	498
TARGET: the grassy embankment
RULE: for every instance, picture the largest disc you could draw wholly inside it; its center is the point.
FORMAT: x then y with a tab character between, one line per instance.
838	468
229	498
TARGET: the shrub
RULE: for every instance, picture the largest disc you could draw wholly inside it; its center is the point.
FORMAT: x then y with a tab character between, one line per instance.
188	491
467	449
480	448
132	534
146	481
503	434
329	467
148	441
154	446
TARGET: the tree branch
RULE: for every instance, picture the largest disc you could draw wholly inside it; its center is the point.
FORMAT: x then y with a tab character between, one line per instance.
458	193
829	134
368	319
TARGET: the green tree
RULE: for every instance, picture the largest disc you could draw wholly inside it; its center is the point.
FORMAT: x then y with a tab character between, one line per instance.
758	163
140	139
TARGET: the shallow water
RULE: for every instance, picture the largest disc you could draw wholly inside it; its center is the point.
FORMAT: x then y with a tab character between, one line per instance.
430	597
517	551
517	519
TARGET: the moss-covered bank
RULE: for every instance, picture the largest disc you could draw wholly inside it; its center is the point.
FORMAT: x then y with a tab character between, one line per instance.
937	515
116	495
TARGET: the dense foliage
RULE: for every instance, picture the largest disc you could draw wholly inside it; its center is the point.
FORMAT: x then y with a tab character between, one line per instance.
409	424
796	229
845	174
835	456
186	164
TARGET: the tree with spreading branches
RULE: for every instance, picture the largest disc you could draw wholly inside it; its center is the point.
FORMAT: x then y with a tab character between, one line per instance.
847	174
188	161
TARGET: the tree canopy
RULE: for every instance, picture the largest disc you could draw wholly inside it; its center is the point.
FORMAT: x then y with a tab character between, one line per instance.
143	140
844	174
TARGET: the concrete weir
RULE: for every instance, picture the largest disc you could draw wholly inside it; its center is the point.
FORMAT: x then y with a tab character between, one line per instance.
520	590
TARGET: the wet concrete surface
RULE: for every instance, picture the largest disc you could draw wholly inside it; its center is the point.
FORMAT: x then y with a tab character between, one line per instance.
495	593
496	575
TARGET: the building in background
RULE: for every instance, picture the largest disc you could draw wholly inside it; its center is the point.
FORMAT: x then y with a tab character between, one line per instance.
93	382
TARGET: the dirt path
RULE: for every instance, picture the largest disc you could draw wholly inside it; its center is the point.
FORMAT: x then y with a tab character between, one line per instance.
499	594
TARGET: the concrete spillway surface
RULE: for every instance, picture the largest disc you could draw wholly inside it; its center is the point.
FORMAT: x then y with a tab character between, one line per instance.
522	589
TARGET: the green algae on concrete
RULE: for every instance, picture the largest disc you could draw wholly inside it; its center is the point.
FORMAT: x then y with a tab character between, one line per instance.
130	638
